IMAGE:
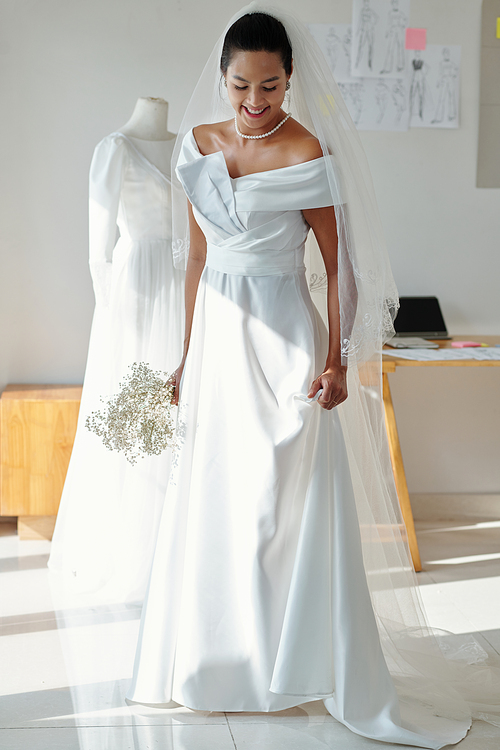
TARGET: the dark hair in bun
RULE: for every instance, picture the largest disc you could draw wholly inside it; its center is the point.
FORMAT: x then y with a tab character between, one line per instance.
256	32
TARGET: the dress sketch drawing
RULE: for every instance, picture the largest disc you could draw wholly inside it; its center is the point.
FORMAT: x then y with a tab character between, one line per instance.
354	94
419	92
333	45
434	86
347	45
399	97
447	102
335	41
382	96
395	35
366	32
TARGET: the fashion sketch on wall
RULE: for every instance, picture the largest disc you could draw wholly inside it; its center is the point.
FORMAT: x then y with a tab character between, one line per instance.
377	104
378	38
374	103
397	22
435	86
420	93
335	41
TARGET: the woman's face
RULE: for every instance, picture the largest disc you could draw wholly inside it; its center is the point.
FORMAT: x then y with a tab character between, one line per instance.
256	84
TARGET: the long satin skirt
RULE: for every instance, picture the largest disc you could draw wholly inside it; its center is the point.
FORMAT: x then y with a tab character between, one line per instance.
258	598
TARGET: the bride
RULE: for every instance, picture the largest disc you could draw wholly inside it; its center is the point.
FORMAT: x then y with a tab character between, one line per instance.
281	573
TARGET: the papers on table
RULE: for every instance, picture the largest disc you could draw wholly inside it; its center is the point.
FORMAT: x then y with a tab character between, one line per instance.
437	355
411	342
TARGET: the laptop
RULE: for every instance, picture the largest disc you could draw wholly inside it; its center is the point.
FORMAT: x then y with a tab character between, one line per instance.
420	317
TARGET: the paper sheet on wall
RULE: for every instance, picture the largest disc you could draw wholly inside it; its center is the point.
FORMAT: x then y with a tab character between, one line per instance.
373	103
377	104
434	86
334	40
378	38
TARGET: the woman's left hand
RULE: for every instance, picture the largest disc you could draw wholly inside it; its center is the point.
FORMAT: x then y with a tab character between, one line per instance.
333	381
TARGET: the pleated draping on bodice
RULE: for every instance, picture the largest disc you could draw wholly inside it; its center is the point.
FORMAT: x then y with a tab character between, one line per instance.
253	224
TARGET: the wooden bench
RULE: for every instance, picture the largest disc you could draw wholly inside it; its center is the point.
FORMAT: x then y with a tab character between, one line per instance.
37	430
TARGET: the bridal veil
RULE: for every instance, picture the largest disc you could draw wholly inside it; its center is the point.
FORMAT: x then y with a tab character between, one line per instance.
436	674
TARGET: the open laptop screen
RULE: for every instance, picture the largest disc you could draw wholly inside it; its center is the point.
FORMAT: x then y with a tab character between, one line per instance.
420	316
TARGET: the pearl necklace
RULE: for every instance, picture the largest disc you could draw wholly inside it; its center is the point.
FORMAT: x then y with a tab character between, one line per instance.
264	135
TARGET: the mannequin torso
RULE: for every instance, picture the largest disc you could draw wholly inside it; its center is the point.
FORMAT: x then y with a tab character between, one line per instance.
149	120
149	131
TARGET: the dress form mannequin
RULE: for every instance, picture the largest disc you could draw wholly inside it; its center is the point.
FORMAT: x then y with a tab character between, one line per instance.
149	120
138	318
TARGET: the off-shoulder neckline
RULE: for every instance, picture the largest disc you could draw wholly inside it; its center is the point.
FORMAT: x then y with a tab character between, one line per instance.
250	174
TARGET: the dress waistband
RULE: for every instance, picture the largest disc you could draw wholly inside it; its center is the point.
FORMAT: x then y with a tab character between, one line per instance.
144	238
258	262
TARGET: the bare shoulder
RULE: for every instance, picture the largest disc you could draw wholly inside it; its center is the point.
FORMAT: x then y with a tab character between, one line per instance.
302	145
210	138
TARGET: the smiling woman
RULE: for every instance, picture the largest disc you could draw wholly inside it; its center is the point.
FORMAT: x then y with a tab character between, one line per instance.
281	573
258	63
257	99
256	82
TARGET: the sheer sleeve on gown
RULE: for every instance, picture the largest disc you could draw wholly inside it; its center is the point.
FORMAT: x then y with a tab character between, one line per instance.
107	173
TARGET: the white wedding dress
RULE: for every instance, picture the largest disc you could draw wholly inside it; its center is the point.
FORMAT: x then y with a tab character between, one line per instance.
110	510
258	599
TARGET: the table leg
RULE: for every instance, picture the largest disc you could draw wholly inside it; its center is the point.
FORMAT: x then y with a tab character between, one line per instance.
399	472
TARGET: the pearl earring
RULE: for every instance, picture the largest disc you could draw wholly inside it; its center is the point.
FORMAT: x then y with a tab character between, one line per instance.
225	82
287	87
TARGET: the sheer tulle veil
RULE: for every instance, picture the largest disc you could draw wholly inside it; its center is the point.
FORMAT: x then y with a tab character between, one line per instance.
436	674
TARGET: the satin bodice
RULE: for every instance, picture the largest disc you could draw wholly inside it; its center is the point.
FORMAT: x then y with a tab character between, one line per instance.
253	224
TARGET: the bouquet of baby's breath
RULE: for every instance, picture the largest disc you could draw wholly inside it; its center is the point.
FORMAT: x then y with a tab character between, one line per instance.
139	419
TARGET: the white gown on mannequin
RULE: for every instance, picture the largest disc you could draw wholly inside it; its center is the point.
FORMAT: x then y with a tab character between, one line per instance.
110	510
258	598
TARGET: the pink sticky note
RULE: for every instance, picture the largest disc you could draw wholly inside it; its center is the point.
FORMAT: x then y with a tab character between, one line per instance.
416	39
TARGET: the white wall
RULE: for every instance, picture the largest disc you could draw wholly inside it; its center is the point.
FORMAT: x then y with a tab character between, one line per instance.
71	73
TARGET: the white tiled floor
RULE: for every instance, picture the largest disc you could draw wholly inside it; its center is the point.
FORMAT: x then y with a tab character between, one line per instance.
65	665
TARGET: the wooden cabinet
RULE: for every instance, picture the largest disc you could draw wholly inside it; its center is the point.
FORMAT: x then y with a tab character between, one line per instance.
38	426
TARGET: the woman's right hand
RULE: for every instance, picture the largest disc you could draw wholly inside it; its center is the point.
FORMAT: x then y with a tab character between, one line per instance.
175	379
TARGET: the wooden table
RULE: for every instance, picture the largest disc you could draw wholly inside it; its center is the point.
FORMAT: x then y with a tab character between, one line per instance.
389	364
